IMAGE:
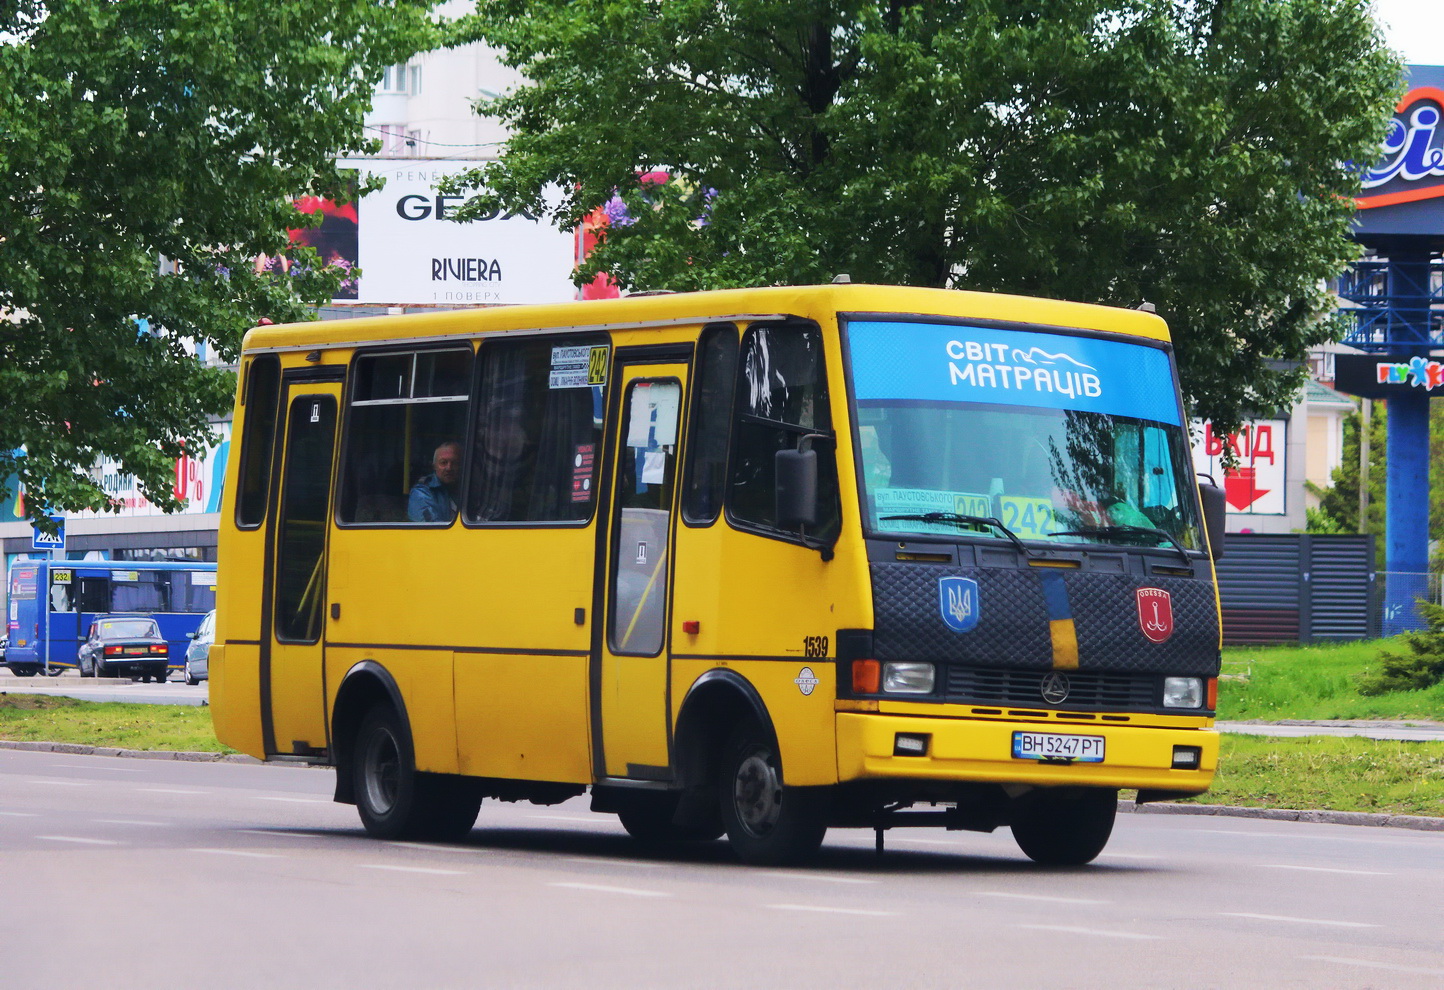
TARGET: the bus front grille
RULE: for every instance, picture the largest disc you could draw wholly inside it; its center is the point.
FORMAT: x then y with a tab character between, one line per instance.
1086	689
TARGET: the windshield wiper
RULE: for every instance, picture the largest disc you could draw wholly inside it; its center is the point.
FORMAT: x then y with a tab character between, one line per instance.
958	519
1161	535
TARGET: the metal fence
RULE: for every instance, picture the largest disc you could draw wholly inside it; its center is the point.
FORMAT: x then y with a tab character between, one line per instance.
1297	588
1396	594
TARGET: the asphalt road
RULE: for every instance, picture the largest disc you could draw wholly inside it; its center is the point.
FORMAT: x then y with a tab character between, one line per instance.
145	873
71	685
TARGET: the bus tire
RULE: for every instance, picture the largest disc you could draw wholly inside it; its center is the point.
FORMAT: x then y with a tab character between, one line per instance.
651	818
767	823
1064	828
394	799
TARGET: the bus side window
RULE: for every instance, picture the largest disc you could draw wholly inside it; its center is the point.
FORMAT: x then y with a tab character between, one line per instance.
537	430
781	397
263	389
706	479
403	406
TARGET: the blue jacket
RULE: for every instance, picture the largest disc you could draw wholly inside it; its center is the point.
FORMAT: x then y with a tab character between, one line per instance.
430	502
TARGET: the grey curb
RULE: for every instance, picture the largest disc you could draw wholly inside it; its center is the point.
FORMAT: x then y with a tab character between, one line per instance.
1418	822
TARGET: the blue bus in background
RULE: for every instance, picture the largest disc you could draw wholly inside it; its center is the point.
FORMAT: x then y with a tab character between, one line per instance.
53	603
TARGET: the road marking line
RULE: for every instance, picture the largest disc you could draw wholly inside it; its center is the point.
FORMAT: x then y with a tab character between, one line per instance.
604	889
19	814
1327	869
1369	964
816	876
293	800
129	821
1040	897
75	838
1113	855
281	832
60	783
413	869
169	790
630	864
434	847
1090	931
1300	921
833	910
591	820
239	852
100	766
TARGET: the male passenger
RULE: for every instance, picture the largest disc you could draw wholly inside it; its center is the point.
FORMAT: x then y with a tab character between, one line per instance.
434	497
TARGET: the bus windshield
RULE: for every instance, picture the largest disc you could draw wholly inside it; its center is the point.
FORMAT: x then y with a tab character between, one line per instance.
1063	439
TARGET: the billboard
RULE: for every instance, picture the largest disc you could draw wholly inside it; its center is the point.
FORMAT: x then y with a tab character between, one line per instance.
1255	487
411	252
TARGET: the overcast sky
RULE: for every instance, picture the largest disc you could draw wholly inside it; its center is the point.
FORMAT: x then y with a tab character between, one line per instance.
1415	28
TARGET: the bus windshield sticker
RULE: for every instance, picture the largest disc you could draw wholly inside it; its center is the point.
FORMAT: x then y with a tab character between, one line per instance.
60	577
916	501
578	367
205	579
125	575
950	363
582	461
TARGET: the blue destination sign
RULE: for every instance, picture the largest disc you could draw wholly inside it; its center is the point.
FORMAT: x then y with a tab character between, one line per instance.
951	363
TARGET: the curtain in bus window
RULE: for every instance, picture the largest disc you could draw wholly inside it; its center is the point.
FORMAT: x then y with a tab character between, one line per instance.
192	591
537	431
145	593
711	424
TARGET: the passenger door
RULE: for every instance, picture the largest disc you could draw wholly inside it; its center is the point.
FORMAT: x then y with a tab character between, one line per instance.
634	688
293	695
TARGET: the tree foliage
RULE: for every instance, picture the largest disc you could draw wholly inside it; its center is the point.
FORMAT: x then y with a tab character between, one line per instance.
149	151
1189	153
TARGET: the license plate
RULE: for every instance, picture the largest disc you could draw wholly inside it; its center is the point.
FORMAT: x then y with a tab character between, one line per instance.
1056	746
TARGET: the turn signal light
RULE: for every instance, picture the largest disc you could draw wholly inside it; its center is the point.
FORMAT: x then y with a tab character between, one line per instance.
160	648
111	651
1213	694
866	676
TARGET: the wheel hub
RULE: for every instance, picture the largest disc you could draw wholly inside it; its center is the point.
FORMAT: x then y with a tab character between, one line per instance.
757	794
382	769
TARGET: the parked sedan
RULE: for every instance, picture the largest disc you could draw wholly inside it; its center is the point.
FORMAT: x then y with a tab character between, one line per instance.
125	645
198	654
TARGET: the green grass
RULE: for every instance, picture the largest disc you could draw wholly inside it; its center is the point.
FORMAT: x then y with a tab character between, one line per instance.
40	718
1315	682
1337	773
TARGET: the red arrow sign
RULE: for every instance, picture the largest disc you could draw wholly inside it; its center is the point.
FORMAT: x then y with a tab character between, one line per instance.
1238	488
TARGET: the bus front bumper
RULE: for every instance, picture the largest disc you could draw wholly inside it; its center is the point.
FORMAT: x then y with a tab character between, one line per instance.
982	750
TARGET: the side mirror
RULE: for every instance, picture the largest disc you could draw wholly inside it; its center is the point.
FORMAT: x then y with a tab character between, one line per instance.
192	635
1215	511
796	472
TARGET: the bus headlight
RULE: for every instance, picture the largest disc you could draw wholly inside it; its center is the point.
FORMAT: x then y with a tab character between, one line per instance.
907	678
1183	692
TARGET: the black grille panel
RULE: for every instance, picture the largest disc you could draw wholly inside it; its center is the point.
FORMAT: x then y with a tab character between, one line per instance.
1087	690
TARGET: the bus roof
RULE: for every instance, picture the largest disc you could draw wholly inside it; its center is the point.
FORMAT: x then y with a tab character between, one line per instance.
812	301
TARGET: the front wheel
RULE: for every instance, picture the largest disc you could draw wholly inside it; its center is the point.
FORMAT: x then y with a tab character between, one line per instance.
767	822
1064	828
394	799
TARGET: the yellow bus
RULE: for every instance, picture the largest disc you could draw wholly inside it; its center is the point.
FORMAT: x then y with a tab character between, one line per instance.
756	562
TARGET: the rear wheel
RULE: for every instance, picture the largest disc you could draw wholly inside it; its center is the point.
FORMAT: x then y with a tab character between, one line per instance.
23	671
1064	828
394	799
767	822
